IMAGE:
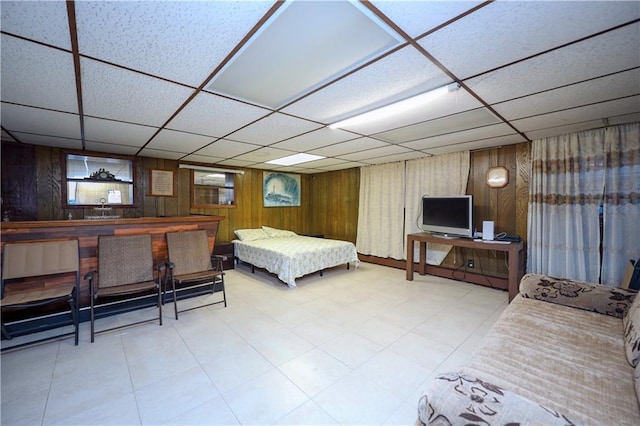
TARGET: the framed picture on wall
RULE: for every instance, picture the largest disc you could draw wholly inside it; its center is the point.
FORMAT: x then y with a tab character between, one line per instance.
161	183
280	189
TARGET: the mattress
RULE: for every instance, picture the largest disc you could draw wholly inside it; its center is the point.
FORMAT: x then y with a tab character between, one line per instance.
294	256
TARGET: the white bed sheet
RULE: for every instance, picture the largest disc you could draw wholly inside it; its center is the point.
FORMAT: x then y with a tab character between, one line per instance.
295	256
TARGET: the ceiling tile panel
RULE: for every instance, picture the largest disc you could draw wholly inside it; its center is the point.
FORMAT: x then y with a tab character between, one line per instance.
226	148
475	145
116	132
111	148
215	116
598	90
27	76
110	92
355	145
506	31
264	154
398	76
181	41
273	128
202	159
384	151
581	61
565	129
479	117
48	140
44	21
417	17
17	118
625	118
171	140
462	136
316	139
577	115
233	162
342	166
157	153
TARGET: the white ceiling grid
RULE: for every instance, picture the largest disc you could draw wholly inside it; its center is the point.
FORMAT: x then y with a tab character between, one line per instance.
139	81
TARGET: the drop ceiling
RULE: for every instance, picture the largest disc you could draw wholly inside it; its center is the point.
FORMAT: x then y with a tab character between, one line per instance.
241	83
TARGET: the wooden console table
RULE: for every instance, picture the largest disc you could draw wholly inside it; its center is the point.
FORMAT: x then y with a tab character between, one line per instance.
514	251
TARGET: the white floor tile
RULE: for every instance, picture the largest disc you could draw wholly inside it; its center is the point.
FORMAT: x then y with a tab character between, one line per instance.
265	399
314	371
357	400
159	402
351	347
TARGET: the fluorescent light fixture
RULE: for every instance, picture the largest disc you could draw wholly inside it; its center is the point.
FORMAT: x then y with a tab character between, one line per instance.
295	159
209	169
396	108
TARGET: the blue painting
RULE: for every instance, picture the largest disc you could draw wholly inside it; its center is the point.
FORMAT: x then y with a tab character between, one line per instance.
280	189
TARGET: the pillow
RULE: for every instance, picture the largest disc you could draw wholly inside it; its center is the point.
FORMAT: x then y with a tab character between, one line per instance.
631	323
276	233
251	234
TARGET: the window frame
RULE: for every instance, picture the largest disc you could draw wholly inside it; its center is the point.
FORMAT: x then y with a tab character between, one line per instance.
66	179
193	187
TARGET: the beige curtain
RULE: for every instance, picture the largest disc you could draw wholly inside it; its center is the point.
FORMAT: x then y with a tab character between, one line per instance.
565	193
381	211
445	174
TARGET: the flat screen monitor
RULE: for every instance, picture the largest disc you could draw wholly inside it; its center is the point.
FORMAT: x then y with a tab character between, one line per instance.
448	216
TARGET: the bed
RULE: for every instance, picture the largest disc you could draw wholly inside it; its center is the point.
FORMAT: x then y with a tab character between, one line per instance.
289	255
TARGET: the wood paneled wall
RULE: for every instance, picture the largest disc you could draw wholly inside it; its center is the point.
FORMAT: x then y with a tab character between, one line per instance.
329	201
506	207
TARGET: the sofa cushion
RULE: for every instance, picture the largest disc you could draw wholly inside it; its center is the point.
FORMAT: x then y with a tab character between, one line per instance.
458	398
631	323
606	300
569	360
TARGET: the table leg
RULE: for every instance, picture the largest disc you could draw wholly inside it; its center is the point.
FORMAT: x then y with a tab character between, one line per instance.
409	266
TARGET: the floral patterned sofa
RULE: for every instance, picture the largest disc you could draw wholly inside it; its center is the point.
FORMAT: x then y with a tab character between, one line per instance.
562	352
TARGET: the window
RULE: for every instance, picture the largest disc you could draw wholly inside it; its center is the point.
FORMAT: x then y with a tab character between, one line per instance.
95	181
213	189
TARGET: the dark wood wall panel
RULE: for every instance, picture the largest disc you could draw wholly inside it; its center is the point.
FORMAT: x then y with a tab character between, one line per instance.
506	207
329	201
334	204
19	199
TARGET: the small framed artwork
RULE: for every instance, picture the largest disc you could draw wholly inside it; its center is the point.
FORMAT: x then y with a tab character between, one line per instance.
162	183
280	189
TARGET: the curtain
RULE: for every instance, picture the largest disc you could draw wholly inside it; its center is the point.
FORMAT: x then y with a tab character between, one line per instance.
381	211
565	193
445	174
621	212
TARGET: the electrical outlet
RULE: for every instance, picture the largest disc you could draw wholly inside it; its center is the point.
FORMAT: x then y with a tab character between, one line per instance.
471	263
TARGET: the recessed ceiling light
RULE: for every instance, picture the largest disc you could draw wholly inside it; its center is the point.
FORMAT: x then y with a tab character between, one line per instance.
295	159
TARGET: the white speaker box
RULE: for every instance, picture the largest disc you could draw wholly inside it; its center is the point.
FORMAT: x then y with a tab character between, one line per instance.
487	230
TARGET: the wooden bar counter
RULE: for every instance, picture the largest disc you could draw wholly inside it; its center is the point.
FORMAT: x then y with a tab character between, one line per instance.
87	232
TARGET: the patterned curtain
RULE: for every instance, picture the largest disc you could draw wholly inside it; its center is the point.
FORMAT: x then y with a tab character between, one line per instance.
621	213
381	211
438	175
575	178
565	192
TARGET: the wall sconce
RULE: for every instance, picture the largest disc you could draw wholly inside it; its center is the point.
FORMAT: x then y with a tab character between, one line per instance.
497	177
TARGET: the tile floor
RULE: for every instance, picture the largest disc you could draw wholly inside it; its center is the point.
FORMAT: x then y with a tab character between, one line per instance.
353	347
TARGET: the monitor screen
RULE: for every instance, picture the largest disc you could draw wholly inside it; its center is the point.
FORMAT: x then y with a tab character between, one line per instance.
448	215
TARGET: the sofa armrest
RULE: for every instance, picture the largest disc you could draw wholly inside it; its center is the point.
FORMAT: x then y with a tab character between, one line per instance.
599	298
457	398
